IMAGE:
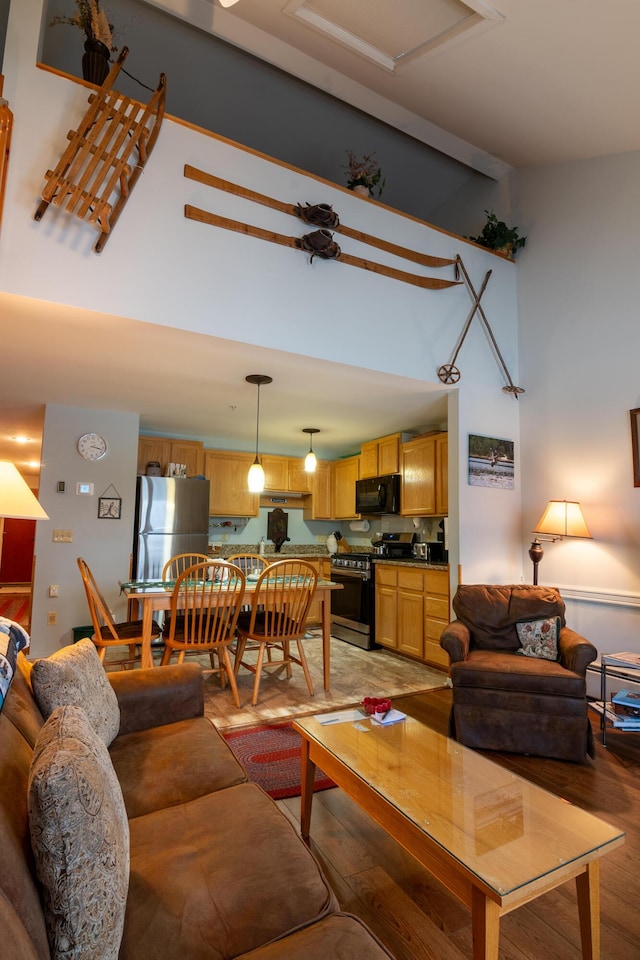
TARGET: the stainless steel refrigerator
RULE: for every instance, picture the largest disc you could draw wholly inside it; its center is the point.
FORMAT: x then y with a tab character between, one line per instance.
172	516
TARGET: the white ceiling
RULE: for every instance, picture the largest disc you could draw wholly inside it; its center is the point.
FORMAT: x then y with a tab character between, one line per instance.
554	80
204	395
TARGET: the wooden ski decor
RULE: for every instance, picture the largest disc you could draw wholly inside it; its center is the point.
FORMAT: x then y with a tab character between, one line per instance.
322	215
304	243
448	372
105	156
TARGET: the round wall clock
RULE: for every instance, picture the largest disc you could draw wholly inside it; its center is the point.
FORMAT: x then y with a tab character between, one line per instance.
91	446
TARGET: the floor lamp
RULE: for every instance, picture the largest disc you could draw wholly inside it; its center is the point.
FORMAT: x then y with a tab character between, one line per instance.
16	499
561	518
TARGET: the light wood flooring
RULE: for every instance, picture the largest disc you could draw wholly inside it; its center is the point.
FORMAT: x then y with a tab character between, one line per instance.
355	674
417	919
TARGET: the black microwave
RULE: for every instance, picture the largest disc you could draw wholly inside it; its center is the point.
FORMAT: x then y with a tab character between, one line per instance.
378	495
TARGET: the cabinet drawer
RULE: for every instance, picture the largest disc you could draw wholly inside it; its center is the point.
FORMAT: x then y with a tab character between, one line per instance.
411	579
437	581
387	576
435	655
433	628
437	607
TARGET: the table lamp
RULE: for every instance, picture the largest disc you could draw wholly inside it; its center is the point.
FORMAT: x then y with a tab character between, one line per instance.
561	518
16	499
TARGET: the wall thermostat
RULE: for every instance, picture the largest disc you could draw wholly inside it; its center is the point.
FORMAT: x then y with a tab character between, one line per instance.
84	488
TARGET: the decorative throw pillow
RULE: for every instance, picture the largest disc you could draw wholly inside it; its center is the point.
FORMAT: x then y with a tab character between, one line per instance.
539	638
75	675
13	638
80	838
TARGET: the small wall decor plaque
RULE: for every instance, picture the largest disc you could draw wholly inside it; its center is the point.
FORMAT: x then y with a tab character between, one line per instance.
110	504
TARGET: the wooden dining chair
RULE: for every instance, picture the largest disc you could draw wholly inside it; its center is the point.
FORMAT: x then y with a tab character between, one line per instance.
178	564
249	562
280	606
106	632
203	616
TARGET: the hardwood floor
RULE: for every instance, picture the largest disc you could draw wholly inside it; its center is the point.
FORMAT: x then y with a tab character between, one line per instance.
417	919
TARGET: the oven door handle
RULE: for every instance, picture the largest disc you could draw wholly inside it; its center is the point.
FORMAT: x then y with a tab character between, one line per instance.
351	575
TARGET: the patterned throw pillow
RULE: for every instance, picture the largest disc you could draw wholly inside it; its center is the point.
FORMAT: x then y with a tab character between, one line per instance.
13	638
80	838
75	675
539	638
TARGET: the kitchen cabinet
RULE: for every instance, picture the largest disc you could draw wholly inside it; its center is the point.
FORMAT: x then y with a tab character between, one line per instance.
424	476
412	610
386	591
166	450
345	474
285	474
228	493
318	506
380	457
442	475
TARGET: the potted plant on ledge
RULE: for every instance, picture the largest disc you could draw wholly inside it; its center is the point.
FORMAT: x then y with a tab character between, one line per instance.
364	175
91	19
496	235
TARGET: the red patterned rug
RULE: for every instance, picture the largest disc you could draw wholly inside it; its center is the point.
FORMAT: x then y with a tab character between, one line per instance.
16	607
271	756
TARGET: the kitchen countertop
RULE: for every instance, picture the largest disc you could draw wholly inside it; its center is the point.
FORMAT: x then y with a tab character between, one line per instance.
410	562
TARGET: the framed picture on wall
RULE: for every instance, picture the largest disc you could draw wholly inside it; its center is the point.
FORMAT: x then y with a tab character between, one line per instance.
635	444
109	508
491	462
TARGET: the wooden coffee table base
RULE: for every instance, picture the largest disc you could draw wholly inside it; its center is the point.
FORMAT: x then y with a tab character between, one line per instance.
485	905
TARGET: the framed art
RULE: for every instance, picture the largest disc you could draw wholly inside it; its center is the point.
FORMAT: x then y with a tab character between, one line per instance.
635	444
491	462
109	508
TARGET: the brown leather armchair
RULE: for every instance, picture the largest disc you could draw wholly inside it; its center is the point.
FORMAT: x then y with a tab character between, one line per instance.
503	700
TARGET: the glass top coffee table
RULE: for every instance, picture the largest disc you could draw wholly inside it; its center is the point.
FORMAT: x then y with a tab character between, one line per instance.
490	837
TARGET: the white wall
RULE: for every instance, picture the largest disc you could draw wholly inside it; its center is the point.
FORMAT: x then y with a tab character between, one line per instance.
579	346
104	544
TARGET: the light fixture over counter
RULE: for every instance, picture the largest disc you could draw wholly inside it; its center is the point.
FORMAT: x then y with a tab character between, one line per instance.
256	472
562	518
16	499
310	461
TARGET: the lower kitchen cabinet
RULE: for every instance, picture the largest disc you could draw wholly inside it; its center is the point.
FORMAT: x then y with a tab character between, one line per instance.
412	610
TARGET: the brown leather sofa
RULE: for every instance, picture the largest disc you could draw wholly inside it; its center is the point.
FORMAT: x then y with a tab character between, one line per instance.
503	700
216	870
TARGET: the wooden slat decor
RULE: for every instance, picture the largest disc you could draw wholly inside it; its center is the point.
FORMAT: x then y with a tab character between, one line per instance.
6	127
105	156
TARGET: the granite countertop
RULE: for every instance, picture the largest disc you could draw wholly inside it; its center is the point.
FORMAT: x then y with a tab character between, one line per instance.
411	562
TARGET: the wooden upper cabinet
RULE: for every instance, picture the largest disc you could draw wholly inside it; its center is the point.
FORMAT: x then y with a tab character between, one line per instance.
299	480
418	494
165	450
276	473
380	457
442	475
369	459
319	505
229	495
345	474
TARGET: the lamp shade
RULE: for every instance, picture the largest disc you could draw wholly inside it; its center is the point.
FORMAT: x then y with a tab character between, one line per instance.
16	499
563	518
255	478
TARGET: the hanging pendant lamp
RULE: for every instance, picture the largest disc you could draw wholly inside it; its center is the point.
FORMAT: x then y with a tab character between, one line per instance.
255	478
310	461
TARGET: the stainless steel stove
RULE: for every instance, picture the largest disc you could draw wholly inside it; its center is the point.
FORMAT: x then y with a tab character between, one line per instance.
353	607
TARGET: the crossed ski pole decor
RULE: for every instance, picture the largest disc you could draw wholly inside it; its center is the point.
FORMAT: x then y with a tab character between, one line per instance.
448	372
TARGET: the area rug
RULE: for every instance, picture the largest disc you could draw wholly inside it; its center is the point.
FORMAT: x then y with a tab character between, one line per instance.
270	754
16	607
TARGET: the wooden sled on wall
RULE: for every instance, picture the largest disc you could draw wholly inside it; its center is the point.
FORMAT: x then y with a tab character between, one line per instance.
105	156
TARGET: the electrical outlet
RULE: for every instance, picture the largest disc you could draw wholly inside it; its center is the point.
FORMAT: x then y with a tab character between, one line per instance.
225	538
53	590
52	618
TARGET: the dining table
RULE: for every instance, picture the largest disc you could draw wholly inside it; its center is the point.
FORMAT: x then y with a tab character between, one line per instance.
150	596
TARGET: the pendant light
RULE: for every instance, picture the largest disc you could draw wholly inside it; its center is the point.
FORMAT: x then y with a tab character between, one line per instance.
310	461
256	472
